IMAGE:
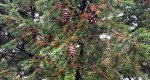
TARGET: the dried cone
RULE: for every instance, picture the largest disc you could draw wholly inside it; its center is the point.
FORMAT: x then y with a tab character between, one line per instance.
71	51
65	15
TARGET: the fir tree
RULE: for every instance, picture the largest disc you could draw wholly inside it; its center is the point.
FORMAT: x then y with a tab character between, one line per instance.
74	39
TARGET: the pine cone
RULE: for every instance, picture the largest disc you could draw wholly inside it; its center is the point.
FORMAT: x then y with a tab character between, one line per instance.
71	51
65	15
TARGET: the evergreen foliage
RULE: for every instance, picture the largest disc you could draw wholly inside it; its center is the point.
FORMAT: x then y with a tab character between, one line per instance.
74	39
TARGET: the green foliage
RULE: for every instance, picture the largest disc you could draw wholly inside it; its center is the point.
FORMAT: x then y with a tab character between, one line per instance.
104	47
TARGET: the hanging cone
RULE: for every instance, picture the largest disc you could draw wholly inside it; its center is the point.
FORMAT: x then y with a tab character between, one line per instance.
71	51
65	18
